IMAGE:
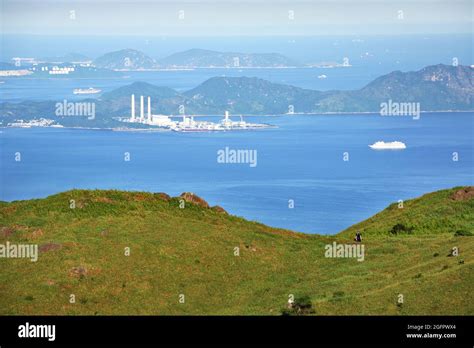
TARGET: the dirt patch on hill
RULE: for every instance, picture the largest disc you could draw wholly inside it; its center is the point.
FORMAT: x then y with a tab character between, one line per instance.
6	232
83	271
192	198
463	194
9	209
49	247
219	209
103	200
140	197
79	272
36	234
162	196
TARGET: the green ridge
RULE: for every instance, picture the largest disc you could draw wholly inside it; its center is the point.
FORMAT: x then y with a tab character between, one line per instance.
190	251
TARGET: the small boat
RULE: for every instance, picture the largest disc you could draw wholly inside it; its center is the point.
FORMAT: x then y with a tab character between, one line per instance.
89	90
382	145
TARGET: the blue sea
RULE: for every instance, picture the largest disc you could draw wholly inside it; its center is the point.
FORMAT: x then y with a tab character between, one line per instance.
300	160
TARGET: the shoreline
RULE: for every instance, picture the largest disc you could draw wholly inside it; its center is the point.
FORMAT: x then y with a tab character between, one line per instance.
355	114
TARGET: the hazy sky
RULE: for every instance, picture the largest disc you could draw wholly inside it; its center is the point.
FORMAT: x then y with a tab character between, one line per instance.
231	17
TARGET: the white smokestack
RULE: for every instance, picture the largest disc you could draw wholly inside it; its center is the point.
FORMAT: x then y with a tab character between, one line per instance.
149	109
133	108
226	115
142	114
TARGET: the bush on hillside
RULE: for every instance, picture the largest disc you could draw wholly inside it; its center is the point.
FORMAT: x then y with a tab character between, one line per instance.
401	228
301	306
462	233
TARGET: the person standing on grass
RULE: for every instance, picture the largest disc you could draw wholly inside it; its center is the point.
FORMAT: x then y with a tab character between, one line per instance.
358	237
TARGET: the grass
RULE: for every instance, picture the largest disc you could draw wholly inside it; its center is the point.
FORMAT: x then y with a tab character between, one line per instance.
191	252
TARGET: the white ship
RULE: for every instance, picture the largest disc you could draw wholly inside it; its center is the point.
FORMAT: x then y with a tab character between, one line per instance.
89	90
382	145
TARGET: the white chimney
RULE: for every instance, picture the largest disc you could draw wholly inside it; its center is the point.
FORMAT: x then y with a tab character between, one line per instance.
142	114
149	109
227	115
133	108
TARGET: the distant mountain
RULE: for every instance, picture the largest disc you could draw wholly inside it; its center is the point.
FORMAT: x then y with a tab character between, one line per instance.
198	58
438	87
250	95
127	59
435	88
165	99
143	88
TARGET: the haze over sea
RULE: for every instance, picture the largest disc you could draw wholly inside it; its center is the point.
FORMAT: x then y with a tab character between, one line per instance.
370	57
301	160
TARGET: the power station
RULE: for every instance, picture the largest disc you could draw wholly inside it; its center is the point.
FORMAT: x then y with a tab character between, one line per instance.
188	124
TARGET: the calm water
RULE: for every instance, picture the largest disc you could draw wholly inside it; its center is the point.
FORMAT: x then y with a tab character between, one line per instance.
301	160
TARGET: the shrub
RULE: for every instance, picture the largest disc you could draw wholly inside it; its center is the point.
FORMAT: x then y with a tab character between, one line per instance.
401	228
459	233
301	306
338	294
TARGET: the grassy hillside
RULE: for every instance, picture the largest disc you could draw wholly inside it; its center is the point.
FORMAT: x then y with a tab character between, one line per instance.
191	251
441	212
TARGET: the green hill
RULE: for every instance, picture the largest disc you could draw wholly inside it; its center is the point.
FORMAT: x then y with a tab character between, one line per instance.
436	88
127	59
442	212
191	250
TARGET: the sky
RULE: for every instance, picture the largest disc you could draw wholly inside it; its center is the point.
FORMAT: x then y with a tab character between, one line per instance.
235	18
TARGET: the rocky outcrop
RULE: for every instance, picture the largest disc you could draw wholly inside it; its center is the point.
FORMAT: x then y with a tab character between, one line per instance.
163	196
192	198
219	209
464	194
